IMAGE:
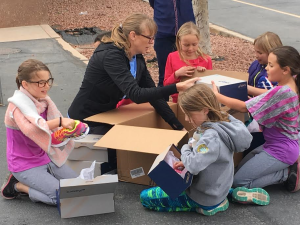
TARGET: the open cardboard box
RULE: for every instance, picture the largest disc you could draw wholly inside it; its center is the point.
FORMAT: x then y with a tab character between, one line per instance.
140	134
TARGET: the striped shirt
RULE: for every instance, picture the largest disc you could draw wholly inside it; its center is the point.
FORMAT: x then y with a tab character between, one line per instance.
277	112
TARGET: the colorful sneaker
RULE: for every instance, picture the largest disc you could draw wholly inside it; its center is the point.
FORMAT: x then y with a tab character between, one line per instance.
8	188
256	196
292	182
222	207
62	136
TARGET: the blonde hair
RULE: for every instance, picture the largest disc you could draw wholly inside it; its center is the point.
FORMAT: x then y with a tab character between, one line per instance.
186	29
198	97
27	70
267	41
137	23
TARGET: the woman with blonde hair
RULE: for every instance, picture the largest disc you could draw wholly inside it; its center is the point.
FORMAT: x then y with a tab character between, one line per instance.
117	71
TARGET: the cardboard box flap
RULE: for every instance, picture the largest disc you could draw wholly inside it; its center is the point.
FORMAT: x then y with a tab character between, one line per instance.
76	187
122	114
140	139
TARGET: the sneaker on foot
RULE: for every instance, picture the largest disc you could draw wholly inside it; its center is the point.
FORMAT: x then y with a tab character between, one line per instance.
222	207
256	196
62	136
292	182
8	188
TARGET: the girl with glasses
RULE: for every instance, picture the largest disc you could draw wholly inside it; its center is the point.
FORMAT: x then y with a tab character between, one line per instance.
31	117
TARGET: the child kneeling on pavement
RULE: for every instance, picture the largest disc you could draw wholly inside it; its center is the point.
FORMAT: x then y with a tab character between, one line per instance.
210	159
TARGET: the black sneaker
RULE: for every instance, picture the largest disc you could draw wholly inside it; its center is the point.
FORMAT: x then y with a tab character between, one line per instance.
292	182
8	188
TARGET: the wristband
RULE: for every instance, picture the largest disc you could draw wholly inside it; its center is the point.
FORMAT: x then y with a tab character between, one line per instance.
59	122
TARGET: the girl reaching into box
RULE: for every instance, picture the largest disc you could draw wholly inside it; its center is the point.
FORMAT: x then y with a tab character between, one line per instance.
188	58
210	160
277	112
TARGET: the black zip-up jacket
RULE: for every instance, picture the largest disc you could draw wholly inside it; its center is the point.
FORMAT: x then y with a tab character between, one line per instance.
108	78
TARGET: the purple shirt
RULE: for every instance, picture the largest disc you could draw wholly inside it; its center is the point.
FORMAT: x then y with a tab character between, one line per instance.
280	146
22	152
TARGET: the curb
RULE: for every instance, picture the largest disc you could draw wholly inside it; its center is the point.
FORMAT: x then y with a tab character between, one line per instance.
217	30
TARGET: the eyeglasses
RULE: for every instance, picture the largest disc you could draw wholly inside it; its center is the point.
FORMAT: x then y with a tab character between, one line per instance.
42	83
150	38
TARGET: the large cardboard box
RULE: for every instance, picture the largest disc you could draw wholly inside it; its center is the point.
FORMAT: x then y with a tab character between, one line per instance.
140	134
77	197
85	150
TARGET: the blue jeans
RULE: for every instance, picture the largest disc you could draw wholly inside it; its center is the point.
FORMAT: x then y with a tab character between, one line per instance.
163	47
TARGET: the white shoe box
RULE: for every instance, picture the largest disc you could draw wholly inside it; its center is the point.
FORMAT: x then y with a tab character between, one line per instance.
86	151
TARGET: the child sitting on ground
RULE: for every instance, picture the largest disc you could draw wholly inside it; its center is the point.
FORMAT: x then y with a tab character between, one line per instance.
277	112
31	117
210	160
188	57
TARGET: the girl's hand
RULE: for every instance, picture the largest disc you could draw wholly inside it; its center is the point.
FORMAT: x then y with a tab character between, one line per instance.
67	123
214	87
178	165
201	69
185	71
182	86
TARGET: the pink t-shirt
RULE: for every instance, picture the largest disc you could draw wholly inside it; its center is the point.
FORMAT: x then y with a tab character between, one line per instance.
23	153
174	63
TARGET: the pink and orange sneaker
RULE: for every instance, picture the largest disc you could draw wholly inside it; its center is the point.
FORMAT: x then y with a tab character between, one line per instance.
62	136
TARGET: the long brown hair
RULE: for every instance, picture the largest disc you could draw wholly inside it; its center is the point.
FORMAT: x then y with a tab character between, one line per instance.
288	56
27	70
136	23
198	97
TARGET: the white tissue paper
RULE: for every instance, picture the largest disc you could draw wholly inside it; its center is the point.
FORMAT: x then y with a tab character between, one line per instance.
88	173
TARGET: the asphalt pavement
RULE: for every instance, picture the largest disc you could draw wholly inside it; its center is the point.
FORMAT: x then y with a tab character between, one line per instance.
68	71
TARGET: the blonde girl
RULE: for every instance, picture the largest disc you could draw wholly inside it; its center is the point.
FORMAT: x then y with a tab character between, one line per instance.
187	58
263	44
209	158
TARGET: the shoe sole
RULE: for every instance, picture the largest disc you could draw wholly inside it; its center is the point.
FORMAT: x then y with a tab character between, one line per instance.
257	196
4	186
83	135
61	144
216	210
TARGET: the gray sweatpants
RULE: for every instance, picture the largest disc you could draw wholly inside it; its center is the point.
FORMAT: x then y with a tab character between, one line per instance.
42	184
259	169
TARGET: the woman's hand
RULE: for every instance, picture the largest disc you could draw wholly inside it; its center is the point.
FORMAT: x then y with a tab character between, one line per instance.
178	165
182	86
201	69
185	71
67	123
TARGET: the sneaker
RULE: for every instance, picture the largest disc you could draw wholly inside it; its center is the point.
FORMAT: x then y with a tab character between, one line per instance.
62	136
222	207
292	182
8	188
256	196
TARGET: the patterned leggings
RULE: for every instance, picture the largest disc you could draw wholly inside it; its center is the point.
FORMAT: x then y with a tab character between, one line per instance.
156	199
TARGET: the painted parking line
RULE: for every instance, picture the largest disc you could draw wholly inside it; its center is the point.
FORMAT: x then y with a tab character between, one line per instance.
262	7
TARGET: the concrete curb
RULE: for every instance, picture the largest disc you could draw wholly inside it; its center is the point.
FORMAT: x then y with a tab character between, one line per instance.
217	30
